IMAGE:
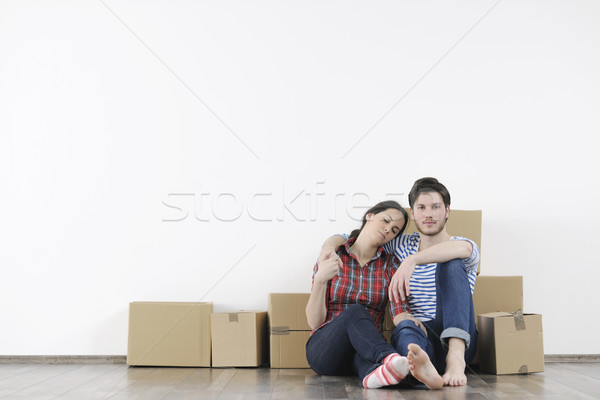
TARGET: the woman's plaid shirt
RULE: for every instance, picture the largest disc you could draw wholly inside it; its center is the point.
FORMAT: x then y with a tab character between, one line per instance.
366	285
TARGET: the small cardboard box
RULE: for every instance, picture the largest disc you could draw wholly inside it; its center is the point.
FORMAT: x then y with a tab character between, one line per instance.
511	343
169	334
289	330
288	311
288	349
239	339
498	293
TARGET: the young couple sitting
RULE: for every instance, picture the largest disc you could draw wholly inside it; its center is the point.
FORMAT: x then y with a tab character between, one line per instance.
428	278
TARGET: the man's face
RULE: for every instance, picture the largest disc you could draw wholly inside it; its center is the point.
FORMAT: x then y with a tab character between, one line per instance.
429	213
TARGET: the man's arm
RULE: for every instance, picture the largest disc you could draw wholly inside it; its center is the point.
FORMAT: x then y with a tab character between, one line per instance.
331	244
442	252
399	287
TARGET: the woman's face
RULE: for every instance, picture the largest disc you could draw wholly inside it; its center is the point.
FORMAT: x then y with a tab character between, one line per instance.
384	226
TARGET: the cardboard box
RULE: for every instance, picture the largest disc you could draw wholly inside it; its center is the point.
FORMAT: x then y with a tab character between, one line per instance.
239	339
465	223
498	293
288	311
169	334
289	329
511	343
288	349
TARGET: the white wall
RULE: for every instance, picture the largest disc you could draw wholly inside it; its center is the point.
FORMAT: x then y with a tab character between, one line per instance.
277	122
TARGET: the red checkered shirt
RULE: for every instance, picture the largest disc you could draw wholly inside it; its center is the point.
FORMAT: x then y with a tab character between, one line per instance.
367	285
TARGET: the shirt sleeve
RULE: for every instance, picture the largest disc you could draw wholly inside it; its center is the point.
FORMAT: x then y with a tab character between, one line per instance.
471	261
344	235
391	246
315	269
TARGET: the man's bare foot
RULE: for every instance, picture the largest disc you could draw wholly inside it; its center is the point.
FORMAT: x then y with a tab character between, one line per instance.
455	363
420	367
455	373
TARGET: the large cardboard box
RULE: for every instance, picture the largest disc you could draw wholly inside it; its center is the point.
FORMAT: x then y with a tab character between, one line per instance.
289	330
169	334
465	223
511	343
239	339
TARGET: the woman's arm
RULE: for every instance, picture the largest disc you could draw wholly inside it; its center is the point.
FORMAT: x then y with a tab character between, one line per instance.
316	308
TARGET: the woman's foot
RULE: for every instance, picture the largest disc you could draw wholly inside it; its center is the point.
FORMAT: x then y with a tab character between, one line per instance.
422	369
393	370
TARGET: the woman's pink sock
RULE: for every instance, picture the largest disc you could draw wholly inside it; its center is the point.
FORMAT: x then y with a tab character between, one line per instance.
391	372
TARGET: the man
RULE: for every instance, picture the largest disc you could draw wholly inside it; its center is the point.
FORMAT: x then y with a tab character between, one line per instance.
437	275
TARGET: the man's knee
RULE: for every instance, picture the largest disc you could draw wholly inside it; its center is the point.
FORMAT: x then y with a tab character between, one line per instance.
451	269
453	266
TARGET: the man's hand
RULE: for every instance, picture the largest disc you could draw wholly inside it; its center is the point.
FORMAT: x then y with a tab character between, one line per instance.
399	288
328	267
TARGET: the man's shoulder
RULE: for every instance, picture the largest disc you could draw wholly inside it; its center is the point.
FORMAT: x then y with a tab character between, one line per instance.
455	237
408	240
410	237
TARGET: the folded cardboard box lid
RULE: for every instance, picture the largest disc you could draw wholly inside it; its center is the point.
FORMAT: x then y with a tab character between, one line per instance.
288	349
511	343
287	311
239	339
169	334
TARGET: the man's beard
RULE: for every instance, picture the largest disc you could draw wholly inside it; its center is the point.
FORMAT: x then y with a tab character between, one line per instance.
429	232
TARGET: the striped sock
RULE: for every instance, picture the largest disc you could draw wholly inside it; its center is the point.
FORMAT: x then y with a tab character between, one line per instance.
391	372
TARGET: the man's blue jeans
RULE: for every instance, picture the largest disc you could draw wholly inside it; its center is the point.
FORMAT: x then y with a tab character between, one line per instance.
348	345
454	318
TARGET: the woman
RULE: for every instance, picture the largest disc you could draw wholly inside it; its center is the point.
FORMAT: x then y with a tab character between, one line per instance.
347	302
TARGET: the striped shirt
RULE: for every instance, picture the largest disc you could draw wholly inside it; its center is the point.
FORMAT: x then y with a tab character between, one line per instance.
422	299
367	285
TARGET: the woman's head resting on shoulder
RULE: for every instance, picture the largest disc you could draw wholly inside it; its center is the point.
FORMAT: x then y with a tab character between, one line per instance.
382	222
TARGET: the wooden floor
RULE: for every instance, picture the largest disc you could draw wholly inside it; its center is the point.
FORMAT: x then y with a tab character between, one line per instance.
110	381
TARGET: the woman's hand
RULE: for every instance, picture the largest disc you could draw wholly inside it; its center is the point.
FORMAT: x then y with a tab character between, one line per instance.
329	267
399	288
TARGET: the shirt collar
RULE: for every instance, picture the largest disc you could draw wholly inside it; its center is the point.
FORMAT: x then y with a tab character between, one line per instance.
351	241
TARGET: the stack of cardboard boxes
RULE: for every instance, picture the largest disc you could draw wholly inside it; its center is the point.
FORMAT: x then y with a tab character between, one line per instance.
188	334
289	330
510	342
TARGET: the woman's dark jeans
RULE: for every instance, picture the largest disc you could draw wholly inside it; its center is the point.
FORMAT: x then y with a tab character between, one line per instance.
348	345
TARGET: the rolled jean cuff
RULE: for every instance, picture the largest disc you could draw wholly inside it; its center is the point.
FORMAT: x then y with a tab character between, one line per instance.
456	333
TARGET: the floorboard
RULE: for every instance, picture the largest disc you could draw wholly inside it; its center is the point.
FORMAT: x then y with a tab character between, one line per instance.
579	381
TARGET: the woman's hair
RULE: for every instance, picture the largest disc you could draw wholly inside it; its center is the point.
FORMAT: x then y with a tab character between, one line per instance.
426	185
376	209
